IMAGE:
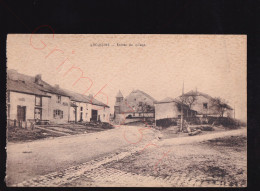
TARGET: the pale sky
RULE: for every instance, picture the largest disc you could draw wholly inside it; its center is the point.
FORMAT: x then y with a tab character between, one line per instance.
215	64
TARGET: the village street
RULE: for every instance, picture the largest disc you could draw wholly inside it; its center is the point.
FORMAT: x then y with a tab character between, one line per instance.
31	159
108	159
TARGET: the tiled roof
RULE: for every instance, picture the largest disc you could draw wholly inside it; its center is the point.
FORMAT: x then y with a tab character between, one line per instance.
48	88
139	91
169	100
19	86
24	83
83	98
197	93
30	81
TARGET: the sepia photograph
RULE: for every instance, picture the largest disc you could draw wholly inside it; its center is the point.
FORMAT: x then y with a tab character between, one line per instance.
126	110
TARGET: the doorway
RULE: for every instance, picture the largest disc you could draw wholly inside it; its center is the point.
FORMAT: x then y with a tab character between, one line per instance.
21	113
81	116
94	115
38	113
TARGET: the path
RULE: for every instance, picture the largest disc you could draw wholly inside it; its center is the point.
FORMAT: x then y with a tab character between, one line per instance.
30	159
93	169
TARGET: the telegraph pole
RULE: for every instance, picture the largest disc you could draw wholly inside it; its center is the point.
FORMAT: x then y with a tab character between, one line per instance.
182	107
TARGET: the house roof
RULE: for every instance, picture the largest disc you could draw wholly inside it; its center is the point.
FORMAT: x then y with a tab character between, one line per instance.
197	93
30	81
139	91
84	98
169	100
20	86
24	83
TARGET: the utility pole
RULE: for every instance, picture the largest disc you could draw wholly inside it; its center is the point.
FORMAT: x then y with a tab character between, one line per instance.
182	107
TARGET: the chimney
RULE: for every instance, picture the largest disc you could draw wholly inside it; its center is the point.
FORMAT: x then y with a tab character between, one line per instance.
56	86
38	78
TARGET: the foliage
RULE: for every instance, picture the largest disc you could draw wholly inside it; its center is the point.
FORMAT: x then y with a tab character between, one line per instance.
220	105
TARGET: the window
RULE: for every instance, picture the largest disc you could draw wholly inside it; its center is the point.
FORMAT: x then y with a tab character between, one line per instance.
139	114
118	99
104	116
133	114
205	105
58	99
81	108
38	100
57	114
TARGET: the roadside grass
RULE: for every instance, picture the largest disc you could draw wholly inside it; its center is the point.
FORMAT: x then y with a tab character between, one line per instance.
220	160
17	134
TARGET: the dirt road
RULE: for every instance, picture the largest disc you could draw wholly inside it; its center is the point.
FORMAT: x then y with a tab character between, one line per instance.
30	159
85	173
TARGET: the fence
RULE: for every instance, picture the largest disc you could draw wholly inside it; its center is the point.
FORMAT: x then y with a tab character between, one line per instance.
29	124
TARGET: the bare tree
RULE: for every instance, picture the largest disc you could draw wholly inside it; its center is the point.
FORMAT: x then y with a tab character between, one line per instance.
220	105
188	99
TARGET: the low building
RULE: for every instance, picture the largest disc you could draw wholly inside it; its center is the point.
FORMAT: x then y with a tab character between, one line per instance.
171	109
204	104
86	108
137	105
31	98
26	103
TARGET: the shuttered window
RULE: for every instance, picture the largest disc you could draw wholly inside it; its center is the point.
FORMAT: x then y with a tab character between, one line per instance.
57	114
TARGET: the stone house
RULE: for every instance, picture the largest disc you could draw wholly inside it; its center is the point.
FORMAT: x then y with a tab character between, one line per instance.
203	104
170	108
137	105
86	108
31	98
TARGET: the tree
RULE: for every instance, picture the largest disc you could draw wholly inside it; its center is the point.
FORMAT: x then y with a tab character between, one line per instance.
220	105
188	99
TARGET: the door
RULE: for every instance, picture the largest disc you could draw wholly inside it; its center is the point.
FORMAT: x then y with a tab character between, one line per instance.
38	113
81	116
94	115
21	113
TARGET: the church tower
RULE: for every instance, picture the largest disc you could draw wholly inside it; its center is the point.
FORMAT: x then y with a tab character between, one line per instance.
119	100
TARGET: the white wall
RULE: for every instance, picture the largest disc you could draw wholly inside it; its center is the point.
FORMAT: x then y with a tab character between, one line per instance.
28	101
104	112
64	106
166	110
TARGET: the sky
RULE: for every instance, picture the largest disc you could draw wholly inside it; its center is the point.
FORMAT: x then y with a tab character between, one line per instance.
155	64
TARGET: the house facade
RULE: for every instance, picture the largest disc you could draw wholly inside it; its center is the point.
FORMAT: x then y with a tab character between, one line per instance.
170	108
86	108
31	98
26	103
204	104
